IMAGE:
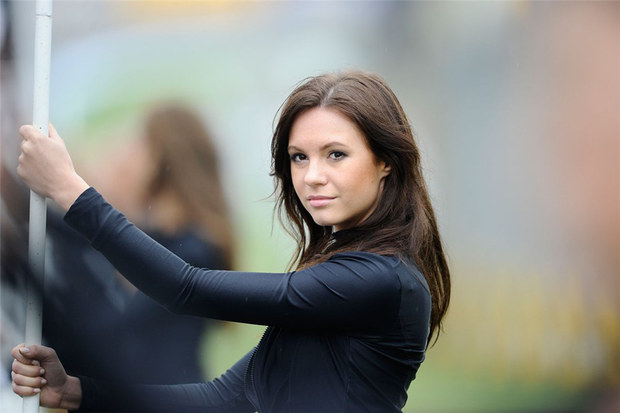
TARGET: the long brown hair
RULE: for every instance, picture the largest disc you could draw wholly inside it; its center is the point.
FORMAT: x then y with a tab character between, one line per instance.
403	223
187	166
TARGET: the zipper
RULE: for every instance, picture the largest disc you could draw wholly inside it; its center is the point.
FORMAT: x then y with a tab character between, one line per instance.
251	387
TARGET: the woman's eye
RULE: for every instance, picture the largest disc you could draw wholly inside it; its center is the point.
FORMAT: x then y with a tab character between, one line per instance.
337	155
298	157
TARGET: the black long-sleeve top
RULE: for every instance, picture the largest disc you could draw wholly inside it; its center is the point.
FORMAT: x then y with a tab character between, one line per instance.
348	334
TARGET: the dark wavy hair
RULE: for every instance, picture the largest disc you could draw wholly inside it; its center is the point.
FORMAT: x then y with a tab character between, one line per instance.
403	223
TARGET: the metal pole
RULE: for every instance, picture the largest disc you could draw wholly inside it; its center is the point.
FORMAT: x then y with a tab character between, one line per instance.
36	235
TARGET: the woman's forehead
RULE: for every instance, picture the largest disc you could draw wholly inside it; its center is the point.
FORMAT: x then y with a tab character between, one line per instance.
324	127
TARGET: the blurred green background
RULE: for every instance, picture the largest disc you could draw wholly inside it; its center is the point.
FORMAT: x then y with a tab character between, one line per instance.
516	109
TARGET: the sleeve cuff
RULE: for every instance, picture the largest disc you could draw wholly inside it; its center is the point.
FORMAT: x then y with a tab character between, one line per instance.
83	215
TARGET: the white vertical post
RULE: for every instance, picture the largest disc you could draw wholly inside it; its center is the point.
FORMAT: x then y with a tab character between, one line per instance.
36	235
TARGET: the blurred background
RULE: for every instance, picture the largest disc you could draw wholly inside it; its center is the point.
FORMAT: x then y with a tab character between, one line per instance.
516	106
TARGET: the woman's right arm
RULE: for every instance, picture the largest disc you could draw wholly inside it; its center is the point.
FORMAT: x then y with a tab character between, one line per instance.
224	394
350	292
46	167
36	369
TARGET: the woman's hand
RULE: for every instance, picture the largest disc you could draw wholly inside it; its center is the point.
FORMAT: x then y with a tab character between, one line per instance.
46	167
37	369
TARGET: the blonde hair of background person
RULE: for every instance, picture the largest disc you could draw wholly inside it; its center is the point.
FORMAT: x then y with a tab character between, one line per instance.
348	330
169	178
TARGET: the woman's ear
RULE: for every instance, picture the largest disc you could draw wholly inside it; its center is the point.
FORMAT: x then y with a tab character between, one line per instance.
384	169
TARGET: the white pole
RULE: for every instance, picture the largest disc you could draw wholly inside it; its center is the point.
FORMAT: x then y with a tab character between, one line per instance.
36	235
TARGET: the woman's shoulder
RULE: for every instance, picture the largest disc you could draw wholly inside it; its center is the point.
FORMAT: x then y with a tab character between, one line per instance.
369	258
388	267
370	265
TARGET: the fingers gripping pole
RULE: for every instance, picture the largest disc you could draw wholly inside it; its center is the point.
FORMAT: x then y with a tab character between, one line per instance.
36	236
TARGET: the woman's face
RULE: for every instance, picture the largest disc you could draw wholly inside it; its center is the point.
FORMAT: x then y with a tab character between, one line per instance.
334	172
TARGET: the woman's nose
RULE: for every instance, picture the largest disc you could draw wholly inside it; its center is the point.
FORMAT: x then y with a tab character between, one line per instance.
315	174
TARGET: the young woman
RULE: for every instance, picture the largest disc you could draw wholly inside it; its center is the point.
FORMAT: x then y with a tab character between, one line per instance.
348	327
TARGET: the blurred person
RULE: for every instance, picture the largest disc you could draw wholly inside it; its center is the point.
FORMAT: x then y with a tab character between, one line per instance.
13	215
583	129
149	178
348	328
582	189
14	273
169	183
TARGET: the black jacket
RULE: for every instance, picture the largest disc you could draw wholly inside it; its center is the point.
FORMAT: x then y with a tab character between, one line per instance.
348	334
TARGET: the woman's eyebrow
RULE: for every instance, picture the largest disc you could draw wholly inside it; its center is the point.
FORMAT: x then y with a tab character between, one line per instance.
323	147
332	143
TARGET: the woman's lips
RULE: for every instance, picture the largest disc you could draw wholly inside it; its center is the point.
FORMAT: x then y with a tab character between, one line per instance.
319	201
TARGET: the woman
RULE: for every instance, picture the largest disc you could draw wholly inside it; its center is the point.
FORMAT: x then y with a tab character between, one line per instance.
348	328
168	182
